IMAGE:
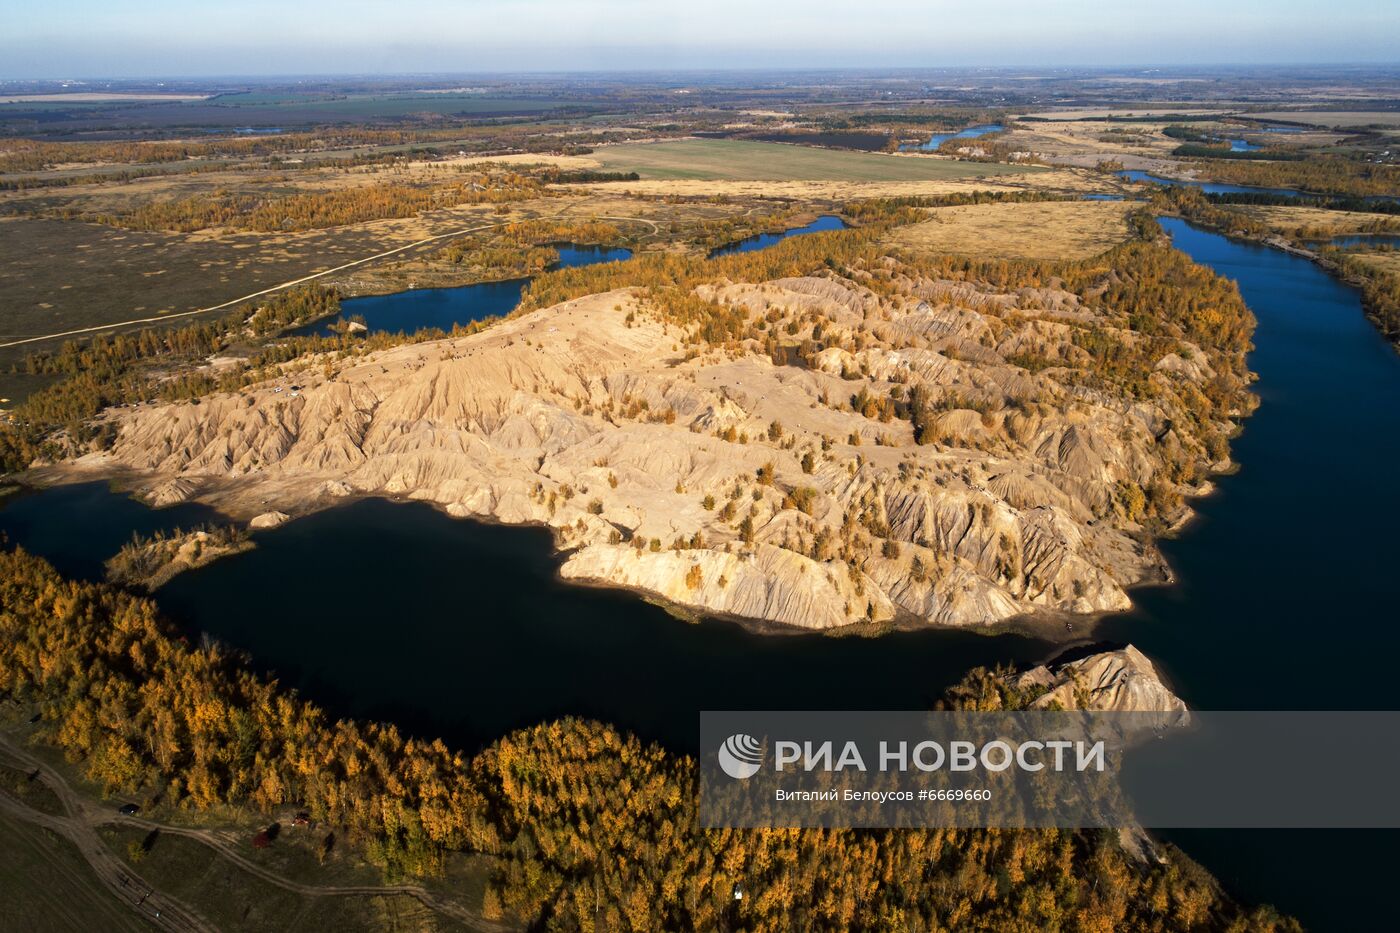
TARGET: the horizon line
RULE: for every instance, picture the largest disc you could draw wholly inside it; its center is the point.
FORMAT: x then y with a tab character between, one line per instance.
730	69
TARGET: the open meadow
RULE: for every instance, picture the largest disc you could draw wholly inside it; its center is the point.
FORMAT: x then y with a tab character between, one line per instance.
1383	261
741	160
1287	219
1044	230
48	888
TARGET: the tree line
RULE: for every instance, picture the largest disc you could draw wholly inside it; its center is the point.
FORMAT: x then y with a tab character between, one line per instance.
1323	174
120	370
1380	289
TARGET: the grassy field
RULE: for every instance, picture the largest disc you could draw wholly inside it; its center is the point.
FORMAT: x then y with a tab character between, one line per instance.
1047	230
1287	219
61	275
46	886
33	794
234	899
1387	261
740	160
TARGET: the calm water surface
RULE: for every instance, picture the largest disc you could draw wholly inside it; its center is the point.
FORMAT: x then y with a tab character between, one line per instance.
78	527
1286	592
764	240
418	308
443	307
394	611
1367	239
938	139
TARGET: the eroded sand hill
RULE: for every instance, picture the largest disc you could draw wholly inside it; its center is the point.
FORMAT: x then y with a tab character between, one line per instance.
652	463
1120	681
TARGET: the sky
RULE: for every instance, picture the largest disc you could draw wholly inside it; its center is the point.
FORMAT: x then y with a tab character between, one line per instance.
158	38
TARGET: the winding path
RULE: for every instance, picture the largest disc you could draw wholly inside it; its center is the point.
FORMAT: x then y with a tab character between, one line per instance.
157	907
79	827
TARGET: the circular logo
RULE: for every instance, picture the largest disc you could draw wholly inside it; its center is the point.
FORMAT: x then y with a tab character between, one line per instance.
741	756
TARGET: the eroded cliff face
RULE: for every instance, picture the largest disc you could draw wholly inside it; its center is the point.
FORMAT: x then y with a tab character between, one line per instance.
1121	681
716	478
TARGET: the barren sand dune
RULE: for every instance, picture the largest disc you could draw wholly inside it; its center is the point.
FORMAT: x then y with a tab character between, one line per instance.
649	462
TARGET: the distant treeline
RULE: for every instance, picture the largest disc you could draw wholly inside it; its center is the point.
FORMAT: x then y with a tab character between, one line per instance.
29	155
560	177
1264	199
1201	145
1324	174
1223	151
1186	133
1157	118
128	160
942	120
911	208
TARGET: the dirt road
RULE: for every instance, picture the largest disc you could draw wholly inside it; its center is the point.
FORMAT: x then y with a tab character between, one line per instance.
82	817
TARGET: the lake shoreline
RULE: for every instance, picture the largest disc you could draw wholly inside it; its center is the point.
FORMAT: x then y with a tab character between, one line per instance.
1065	630
1284	245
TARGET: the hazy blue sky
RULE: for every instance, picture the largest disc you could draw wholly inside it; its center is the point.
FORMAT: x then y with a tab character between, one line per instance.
90	38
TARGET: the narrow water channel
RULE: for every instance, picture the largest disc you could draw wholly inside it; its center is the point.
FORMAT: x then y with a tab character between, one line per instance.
1209	187
1213	187
937	139
764	240
1286	581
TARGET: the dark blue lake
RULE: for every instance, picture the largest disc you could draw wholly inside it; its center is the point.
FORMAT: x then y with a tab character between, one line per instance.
50	523
938	139
418	308
765	240
394	611
1285	594
1367	239
1243	145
